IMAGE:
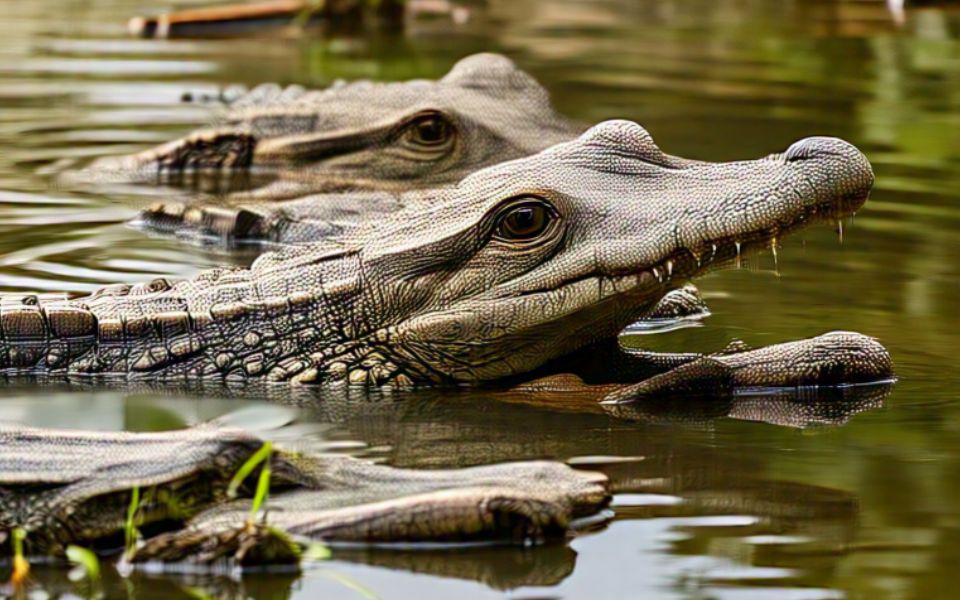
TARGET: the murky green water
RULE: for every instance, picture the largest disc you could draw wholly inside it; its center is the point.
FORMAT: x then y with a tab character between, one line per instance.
863	503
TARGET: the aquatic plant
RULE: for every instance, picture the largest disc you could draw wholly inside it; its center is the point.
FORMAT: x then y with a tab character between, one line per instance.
130	532
21	567
263	481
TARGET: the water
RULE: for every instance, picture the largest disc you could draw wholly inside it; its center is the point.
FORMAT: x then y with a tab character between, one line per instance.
860	504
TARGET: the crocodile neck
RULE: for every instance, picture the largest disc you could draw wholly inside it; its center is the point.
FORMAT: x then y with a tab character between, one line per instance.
291	316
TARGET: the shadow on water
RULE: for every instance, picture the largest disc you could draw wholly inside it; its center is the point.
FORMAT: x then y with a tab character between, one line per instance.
744	498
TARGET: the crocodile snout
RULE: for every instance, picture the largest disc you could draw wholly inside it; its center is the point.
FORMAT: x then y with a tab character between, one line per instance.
833	165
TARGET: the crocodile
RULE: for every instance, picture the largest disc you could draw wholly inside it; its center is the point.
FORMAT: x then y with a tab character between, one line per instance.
62	487
522	266
360	135
511	503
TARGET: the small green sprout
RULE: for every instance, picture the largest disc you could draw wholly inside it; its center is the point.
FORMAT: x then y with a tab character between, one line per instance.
21	567
263	482
316	552
86	564
263	490
130	532
246	468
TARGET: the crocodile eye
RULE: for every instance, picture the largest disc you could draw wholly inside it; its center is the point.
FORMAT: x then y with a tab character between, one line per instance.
430	130
525	221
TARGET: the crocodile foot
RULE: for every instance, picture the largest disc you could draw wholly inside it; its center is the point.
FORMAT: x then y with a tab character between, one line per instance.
835	358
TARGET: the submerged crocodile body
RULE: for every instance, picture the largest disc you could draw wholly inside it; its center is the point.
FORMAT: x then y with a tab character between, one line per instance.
362	135
518	266
75	487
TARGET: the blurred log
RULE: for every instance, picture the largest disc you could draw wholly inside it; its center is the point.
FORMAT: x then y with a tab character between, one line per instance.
233	19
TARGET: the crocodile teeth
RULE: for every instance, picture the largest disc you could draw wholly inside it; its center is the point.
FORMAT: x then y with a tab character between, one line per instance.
697	257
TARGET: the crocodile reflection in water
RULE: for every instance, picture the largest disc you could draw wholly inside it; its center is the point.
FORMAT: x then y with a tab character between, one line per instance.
457	432
65	487
445	432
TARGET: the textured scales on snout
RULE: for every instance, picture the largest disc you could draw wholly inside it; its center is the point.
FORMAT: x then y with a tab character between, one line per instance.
516	266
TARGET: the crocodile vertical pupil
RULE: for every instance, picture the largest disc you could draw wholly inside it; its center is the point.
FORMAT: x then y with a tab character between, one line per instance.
431	131
524	222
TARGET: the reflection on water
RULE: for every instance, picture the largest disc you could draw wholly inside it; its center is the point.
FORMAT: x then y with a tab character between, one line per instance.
851	495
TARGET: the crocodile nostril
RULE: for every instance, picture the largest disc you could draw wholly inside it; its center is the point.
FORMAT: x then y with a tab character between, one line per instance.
822	147
806	149
836	165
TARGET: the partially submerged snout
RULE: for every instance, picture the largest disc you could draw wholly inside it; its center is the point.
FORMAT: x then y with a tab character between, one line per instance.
362	135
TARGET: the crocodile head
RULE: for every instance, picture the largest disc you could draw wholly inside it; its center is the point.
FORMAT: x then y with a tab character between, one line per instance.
531	259
518	264
410	134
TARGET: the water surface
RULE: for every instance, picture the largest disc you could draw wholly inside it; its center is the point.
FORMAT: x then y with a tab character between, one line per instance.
859	502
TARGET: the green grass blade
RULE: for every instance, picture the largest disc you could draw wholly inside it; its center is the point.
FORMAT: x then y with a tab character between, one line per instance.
130	532
246	468
86	560
263	490
21	567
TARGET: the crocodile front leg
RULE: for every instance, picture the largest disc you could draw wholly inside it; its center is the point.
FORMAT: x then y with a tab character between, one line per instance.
835	358
795	384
